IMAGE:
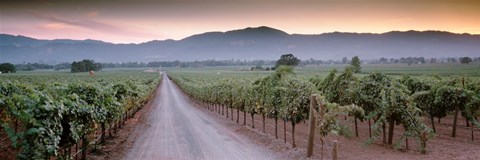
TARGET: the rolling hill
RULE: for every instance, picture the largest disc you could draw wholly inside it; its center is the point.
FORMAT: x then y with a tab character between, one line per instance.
249	43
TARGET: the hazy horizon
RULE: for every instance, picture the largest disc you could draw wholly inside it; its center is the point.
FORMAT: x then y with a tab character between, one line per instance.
129	21
234	29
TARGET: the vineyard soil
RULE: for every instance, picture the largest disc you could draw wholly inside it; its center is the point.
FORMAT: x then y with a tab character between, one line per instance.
6	151
177	130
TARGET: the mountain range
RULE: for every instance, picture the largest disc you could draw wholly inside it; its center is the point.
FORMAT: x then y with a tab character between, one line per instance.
245	44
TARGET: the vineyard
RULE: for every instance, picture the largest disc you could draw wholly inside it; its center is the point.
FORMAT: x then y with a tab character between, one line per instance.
59	115
55	115
383	101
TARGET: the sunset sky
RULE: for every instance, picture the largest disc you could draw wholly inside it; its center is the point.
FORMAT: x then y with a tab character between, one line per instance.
136	21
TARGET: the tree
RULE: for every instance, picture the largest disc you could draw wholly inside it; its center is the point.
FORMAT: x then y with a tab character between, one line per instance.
344	60
7	68
451	60
356	64
465	60
287	60
383	60
85	65
63	66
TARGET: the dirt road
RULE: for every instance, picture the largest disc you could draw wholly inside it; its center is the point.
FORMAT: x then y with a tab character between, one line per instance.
177	130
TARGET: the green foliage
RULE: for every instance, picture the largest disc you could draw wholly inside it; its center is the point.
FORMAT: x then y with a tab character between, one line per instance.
287	60
473	86
85	66
251	100
241	98
343	89
276	95
465	60
473	110
295	100
7	68
414	84
226	92
43	113
327	84
369	92
388	101
425	100
450	97
344	130
355	64
264	101
40	116
328	123
283	71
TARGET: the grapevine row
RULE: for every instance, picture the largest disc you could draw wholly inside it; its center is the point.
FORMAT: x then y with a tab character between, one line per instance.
385	100
43	118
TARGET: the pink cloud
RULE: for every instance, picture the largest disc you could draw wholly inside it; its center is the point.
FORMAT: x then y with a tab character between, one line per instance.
55	22
55	26
93	14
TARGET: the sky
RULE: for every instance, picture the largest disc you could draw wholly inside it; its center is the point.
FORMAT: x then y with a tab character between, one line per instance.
137	21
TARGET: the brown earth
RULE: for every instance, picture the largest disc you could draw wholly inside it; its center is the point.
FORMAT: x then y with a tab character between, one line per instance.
6	149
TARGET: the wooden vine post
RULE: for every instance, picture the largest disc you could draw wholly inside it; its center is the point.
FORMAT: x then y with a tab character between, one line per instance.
102	139
471	129
311	124
335	150
84	147
423	142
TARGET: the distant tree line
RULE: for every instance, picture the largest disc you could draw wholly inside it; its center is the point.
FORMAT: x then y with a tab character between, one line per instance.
255	64
63	66
35	66
184	64
402	60
423	60
85	65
